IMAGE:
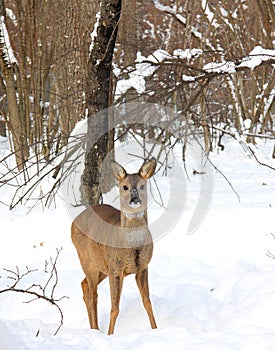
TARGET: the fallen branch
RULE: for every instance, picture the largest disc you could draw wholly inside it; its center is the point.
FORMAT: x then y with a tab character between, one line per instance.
37	291
258	161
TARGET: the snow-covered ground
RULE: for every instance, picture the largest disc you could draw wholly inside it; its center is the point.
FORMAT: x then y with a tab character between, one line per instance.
212	289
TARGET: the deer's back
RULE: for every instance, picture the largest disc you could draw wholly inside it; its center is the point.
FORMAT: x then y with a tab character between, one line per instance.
97	223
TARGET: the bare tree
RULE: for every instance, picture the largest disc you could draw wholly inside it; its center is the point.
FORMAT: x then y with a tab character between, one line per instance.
98	97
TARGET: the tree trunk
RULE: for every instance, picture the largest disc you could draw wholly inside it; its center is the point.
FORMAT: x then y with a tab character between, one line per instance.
8	69
98	93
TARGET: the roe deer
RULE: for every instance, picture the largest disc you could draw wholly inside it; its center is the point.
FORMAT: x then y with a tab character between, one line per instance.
116	243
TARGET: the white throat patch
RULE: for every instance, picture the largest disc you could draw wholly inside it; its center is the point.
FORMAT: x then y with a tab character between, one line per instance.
139	214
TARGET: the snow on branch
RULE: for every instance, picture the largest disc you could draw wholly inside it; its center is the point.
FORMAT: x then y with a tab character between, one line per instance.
145	67
7	51
169	10
255	58
12	16
94	32
172	11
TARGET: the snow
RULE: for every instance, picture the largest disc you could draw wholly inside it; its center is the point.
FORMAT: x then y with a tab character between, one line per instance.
247	123
213	289
185	77
187	53
209	14
223	12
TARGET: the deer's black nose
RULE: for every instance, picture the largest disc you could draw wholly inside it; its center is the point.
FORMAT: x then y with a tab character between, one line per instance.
135	200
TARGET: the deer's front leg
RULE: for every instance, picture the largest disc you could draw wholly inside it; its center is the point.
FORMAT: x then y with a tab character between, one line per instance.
142	282
116	282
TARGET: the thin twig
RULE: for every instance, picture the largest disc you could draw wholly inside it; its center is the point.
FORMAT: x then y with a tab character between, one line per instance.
258	161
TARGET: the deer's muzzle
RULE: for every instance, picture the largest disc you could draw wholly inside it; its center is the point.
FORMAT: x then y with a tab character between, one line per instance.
135	200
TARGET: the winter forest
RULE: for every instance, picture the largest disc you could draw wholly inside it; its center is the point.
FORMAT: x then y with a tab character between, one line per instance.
204	72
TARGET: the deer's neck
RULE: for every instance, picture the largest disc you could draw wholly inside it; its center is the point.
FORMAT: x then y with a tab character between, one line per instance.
135	232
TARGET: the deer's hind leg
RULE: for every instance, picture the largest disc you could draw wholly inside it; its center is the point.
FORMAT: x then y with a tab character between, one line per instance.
89	288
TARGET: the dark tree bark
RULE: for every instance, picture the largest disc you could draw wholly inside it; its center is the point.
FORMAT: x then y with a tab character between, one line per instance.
3	131
98	92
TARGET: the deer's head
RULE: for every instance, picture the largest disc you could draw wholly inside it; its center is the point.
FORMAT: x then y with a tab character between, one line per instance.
133	187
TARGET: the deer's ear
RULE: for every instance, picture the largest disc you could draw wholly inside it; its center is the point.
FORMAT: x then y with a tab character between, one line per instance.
147	169
118	171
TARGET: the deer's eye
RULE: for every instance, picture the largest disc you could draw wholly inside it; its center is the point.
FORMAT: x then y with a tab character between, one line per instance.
125	188
142	187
